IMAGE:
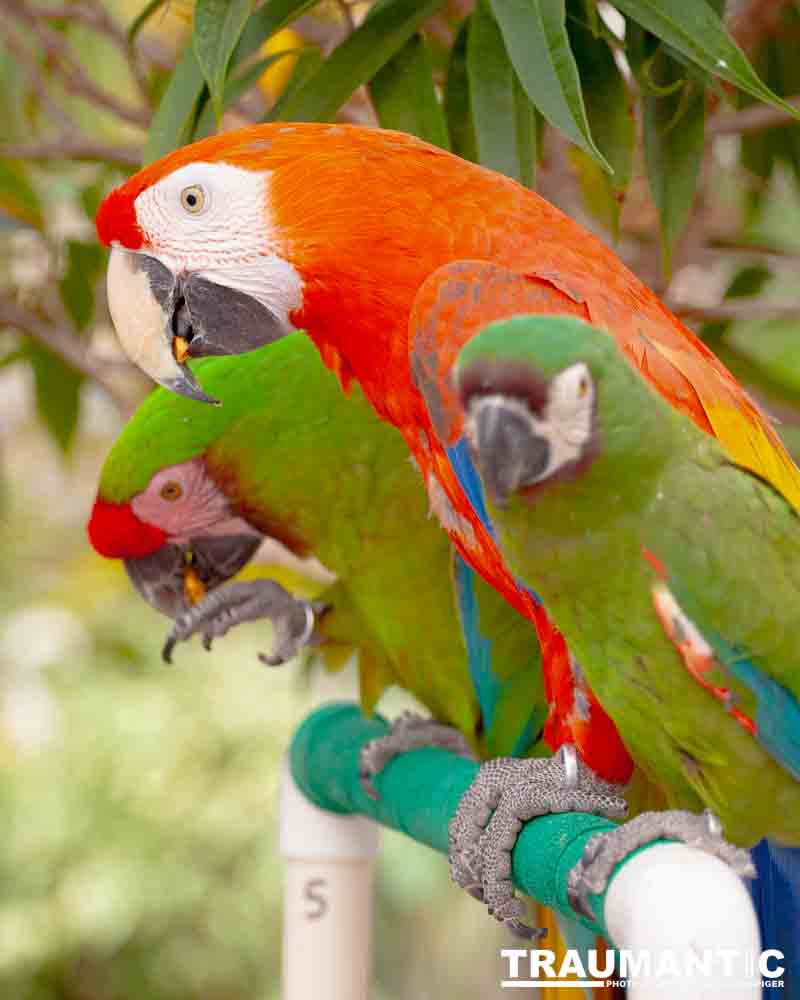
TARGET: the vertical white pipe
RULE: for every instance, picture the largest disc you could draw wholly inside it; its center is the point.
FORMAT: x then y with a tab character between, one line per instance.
327	928
689	917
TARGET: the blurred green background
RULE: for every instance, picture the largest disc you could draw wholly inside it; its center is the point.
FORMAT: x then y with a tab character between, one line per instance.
138	855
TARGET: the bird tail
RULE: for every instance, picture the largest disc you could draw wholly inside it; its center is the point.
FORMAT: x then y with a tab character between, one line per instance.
776	898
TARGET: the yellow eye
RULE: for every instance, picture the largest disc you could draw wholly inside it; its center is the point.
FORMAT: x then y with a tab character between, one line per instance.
193	199
171	491
583	387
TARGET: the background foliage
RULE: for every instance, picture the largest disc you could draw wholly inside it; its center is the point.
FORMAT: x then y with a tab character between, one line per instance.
139	856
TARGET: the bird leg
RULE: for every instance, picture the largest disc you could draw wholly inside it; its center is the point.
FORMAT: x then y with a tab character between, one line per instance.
506	793
232	603
604	851
409	731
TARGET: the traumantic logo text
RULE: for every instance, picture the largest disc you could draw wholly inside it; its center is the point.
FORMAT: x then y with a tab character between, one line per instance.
525	968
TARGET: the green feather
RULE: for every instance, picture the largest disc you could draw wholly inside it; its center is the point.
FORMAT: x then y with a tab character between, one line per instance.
302	461
730	548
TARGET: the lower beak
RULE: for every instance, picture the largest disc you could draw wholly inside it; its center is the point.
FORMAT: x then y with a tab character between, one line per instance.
163	319
175	577
510	453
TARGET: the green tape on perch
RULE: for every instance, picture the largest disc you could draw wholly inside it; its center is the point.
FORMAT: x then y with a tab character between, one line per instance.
419	792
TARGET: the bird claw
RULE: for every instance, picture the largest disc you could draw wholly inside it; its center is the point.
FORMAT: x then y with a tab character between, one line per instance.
506	793
233	603
604	851
409	731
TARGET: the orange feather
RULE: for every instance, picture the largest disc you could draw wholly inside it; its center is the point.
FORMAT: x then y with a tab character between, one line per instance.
366	216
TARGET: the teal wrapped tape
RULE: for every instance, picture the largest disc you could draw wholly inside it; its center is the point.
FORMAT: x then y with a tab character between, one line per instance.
419	792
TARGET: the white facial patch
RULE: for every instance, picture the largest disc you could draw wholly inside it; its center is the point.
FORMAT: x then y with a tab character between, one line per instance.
184	501
213	219
566	423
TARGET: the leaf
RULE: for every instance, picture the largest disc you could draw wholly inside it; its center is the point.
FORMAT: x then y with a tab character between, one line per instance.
267	19
609	109
85	263
405	97
218	25
695	29
457	106
13	357
357	60
501	112
174	121
748	281
307	65
143	17
17	198
57	388
536	39
674	139
240	84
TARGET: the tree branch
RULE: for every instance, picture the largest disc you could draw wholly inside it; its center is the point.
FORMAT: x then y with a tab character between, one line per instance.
66	346
754	119
737	309
66	148
75	79
97	17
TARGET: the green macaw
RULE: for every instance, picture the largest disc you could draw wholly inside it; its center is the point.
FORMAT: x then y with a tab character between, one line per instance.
673	572
188	492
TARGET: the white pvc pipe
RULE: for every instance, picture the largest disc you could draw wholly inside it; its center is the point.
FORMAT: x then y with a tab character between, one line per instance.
691	914
327	928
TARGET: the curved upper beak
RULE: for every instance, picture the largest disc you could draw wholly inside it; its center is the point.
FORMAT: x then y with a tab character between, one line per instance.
176	576
510	453
163	319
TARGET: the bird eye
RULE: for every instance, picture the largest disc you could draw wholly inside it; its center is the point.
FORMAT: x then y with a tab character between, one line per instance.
583	387
193	199
171	491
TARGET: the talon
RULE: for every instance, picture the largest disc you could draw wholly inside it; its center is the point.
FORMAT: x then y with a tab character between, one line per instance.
408	732
233	603
605	851
506	793
713	824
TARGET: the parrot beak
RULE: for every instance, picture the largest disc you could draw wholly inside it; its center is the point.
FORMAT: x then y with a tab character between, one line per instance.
140	299
175	577
163	319
510	453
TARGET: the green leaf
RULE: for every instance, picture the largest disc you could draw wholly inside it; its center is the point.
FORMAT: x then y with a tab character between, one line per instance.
674	137
457	105
357	59
267	19
536	39
143	17
174	121
57	388
13	357
609	109
17	198
695	29
240	84
218	25
501	111
307	65
404	94
747	282
85	264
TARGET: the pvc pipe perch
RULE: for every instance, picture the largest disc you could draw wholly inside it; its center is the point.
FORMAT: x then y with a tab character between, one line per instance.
669	901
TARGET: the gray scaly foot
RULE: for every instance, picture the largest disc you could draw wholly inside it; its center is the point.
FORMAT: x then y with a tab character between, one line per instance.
506	793
233	603
409	731
606	850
